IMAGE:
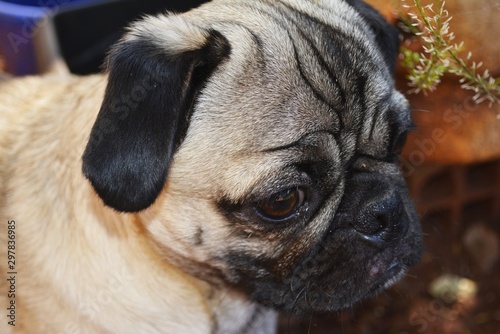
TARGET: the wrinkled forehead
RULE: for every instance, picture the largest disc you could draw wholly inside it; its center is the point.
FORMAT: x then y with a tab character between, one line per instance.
281	84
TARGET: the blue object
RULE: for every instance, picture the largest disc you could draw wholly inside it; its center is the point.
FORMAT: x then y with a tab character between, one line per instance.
27	39
41	3
19	27
36	33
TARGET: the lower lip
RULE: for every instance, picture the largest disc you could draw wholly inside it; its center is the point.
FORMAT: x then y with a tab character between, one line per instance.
393	265
379	269
383	279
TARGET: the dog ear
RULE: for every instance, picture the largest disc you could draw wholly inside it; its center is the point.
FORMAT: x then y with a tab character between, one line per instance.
386	34
155	72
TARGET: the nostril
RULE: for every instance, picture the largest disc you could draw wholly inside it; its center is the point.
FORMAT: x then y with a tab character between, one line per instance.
377	221
371	220
367	224
383	221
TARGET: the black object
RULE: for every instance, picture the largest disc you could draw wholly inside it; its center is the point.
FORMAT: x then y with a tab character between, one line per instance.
85	31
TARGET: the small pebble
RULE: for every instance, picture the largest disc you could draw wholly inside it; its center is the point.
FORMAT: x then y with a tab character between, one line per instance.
483	245
452	288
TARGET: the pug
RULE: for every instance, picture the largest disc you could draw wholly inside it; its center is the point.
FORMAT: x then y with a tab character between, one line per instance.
232	162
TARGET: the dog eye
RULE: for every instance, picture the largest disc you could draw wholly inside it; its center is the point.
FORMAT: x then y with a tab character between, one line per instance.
282	205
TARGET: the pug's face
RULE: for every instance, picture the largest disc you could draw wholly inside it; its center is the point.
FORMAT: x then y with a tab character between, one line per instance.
261	151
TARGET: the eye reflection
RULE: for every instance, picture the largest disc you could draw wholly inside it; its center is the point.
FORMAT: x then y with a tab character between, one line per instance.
282	205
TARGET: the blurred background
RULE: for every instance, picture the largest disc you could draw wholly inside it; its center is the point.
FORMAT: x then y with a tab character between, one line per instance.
451	162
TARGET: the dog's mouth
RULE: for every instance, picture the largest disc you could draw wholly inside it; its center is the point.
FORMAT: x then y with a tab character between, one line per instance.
336	275
382	275
380	269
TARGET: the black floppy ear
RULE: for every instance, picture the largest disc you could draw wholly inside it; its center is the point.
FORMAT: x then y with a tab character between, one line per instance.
386	35
154	77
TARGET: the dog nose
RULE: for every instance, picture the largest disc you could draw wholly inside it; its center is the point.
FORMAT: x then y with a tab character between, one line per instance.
381	219
373	209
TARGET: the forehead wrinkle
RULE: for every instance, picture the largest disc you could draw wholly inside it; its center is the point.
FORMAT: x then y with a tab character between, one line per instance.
310	60
281	67
391	110
301	35
298	123
314	71
387	115
328	87
250	169
299	141
377	111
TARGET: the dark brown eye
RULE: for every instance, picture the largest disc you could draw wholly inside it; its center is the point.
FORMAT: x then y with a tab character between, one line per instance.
282	205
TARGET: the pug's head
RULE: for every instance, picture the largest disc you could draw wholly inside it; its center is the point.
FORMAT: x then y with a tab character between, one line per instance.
258	141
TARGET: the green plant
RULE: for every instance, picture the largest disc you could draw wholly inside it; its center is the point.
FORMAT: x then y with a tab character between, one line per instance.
431	25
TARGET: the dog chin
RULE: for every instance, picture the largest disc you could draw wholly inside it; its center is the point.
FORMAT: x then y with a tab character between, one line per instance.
382	275
380	281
